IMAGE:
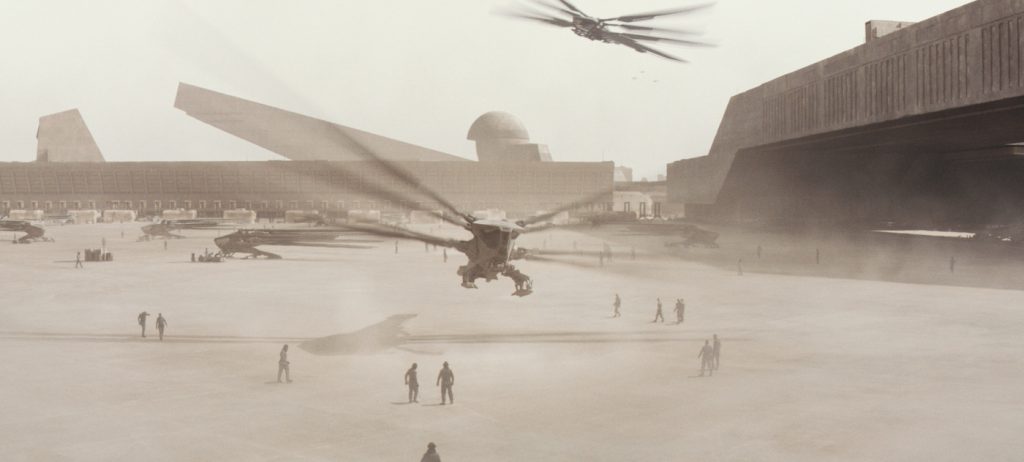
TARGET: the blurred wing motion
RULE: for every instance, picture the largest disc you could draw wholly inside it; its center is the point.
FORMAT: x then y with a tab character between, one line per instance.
165	228
655	14
247	240
607	30
565	208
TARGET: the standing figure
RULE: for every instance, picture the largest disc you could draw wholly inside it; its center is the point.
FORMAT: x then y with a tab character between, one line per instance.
165	244
161	323
444	253
952	264
446	379
616	305
413	383
431	455
758	251
657	314
142	322
817	256
716	348
78	260
706	361
739	267
680	310
282	365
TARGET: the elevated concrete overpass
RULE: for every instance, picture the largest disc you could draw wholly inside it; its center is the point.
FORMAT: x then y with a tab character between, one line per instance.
914	126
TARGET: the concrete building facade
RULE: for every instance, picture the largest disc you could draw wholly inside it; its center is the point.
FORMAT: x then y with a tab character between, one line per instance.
270	188
916	125
333	169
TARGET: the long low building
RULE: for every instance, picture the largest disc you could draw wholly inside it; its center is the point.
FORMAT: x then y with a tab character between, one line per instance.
271	187
331	169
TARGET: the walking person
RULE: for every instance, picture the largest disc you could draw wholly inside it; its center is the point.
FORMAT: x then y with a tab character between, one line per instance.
78	260
658	315
705	356
142	322
282	365
680	310
446	379
161	324
616	305
431	455
413	383
716	350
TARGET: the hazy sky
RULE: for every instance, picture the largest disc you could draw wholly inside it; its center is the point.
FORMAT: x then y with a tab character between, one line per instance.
418	71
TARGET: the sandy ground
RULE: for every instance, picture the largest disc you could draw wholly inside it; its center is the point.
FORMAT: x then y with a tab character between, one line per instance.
814	368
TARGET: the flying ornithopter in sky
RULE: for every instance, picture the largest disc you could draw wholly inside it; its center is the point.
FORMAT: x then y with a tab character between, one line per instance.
619	30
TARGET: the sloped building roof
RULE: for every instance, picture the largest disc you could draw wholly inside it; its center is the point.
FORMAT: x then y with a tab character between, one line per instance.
294	136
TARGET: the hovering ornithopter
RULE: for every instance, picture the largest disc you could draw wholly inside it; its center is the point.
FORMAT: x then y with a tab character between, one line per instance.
618	30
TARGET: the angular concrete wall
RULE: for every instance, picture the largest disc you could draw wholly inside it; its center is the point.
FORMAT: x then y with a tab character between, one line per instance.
970	57
64	137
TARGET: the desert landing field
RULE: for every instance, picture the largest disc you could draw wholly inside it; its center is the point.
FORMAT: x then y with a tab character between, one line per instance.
814	367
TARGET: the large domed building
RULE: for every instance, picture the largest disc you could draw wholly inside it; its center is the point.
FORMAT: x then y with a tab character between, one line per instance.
501	137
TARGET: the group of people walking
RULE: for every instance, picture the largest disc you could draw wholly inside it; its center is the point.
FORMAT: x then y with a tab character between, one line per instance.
445	380
659	315
708	355
161	323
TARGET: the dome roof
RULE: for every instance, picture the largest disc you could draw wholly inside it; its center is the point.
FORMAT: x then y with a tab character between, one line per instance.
497	125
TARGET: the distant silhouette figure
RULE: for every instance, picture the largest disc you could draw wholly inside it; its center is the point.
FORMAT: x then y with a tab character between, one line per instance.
413	383
739	267
706	361
142	322
161	323
952	264
446	379
78	260
817	256
396	247
716	348
680	310
282	365
431	454
616	305
444	253
759	251
165	244
658	315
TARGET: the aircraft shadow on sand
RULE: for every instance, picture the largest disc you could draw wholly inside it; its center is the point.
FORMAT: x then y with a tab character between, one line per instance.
391	334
